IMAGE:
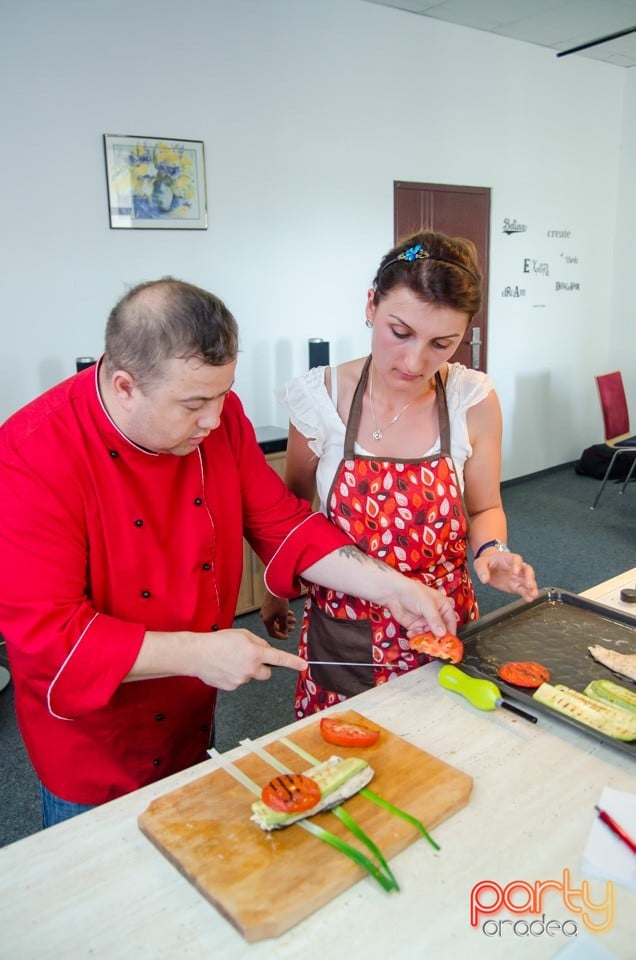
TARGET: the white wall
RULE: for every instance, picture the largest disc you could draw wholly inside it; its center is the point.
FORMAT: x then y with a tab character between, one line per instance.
622	306
309	112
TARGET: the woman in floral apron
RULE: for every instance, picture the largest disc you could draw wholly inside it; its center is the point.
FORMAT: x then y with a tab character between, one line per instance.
404	451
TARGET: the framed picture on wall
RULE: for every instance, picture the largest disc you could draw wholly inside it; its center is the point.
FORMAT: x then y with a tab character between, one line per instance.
155	183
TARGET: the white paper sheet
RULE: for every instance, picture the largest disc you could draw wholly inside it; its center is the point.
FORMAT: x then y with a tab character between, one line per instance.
605	854
585	947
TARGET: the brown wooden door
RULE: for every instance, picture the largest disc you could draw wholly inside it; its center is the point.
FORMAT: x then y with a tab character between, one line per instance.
459	212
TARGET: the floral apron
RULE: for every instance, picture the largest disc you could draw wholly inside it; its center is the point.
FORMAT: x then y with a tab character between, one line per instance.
410	515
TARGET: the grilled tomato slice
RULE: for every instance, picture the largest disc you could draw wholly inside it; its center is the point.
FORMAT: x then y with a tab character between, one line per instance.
291	793
447	647
524	673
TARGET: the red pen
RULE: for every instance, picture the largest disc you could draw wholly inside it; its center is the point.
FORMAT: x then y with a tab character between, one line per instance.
616	829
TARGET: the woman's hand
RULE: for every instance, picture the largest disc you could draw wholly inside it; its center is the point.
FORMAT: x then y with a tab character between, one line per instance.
507	572
279	620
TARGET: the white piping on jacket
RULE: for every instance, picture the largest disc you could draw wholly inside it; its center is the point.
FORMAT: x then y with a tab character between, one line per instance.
53	681
205	501
280	547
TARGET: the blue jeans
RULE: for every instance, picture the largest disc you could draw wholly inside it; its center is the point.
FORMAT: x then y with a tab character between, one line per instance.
55	810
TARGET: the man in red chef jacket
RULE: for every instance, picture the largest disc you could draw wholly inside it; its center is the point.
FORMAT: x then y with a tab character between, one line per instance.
126	491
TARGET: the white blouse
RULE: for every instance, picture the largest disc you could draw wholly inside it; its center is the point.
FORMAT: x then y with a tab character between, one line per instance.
314	414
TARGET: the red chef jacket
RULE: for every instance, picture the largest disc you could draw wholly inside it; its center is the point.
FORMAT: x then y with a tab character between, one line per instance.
101	540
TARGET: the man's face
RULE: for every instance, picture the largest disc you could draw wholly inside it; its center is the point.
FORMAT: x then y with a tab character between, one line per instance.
177	412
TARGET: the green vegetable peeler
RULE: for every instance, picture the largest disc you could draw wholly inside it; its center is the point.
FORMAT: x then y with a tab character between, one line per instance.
483	694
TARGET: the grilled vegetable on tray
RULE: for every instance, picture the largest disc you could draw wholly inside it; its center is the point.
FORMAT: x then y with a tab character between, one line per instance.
605	718
524	673
609	692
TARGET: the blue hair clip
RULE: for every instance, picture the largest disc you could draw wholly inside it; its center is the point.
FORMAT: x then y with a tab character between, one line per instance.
414	253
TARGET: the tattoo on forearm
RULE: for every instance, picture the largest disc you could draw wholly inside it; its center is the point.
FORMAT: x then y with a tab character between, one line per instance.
356	554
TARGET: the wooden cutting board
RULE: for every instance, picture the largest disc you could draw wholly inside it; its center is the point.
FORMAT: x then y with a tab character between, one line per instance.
264	883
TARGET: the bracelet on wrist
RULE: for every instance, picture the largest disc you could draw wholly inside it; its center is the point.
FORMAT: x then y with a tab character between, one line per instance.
498	544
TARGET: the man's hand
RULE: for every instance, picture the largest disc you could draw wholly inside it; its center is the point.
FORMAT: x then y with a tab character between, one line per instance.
420	608
415	606
233	657
225	659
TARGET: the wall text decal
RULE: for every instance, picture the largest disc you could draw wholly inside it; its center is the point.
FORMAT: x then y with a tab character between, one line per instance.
513	292
511	226
535	266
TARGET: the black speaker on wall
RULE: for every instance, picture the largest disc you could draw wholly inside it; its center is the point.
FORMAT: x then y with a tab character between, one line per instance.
318	352
81	363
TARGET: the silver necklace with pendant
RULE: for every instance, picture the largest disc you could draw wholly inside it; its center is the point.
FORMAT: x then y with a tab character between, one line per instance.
378	433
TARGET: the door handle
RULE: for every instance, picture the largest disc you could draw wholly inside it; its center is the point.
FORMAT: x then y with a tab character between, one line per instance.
475	347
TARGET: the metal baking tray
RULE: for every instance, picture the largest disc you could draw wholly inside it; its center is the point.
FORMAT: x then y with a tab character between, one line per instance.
555	629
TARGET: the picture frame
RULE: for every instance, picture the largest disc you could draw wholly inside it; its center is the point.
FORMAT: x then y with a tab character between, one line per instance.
155	183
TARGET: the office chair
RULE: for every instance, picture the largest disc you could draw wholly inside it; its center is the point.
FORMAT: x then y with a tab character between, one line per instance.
616	422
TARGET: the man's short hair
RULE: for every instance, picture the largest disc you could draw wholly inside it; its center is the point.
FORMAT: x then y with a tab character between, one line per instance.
165	319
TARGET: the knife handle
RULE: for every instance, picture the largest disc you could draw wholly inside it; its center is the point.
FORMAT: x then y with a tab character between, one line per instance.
481	693
514	709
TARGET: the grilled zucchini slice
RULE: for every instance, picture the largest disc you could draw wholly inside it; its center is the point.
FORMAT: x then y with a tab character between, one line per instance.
604	718
609	692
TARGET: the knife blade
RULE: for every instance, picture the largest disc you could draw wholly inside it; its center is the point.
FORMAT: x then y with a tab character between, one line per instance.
350	663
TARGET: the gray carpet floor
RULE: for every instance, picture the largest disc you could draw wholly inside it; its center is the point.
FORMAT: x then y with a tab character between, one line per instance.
550	522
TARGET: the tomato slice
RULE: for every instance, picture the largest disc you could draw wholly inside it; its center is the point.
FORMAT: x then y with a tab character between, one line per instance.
447	647
291	793
524	673
342	733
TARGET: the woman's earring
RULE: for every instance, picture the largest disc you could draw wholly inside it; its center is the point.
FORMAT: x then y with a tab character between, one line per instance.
368	323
